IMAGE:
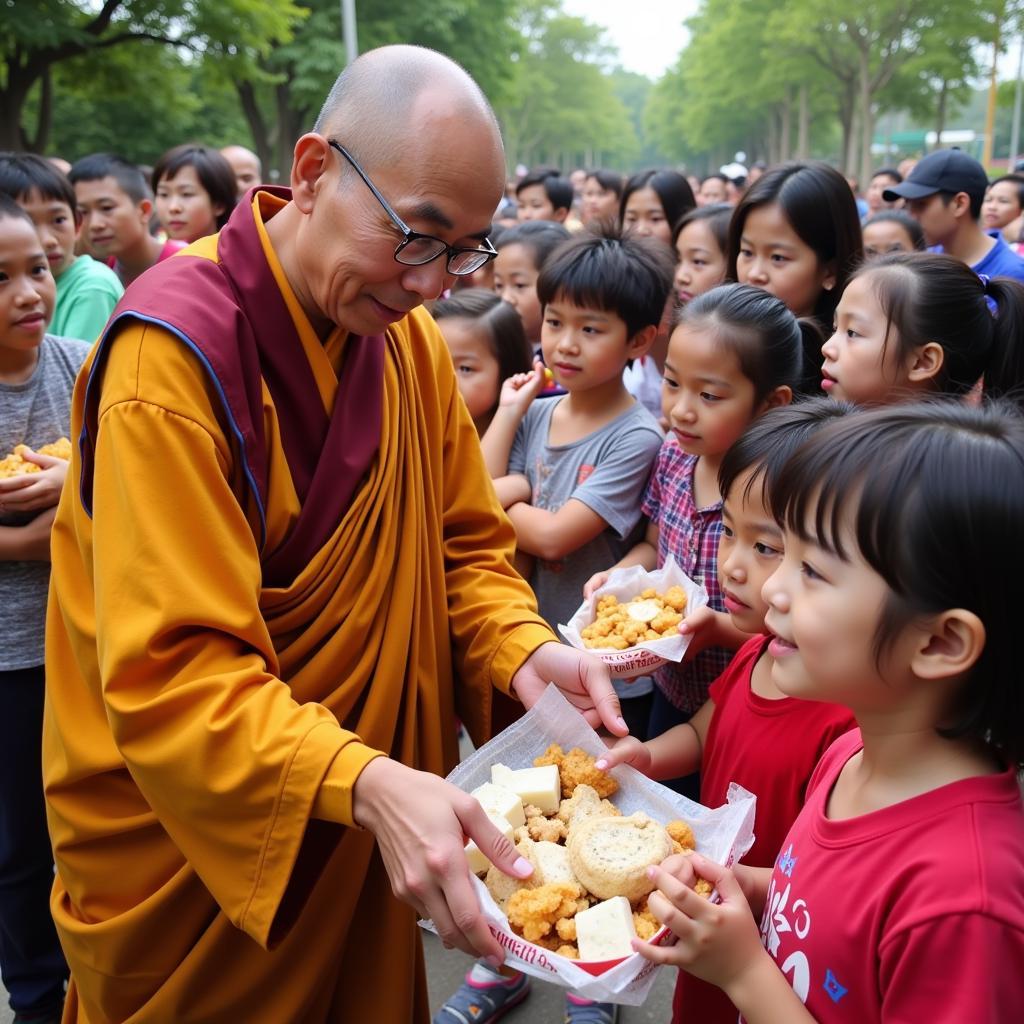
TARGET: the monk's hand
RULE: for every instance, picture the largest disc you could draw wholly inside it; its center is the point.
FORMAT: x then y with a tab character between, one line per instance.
583	679
421	824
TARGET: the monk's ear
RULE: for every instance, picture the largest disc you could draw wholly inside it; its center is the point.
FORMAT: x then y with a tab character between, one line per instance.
311	160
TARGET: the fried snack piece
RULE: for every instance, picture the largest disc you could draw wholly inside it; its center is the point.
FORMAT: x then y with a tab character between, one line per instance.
651	616
681	833
645	923
15	464
610	856
533	913
702	887
566	928
502	886
577	768
541	828
569	952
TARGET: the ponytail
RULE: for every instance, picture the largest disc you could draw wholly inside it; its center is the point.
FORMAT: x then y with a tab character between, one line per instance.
811	340
1004	373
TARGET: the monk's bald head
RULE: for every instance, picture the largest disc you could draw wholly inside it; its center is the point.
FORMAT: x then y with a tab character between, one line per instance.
389	97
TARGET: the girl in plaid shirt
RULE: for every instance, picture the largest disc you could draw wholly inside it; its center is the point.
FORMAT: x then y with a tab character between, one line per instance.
734	353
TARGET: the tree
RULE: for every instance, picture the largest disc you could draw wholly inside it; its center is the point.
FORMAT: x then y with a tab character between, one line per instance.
36	38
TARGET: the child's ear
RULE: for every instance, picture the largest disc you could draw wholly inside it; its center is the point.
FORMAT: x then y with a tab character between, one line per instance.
560	215
926	362
950	644
828	282
79	220
782	395
641	342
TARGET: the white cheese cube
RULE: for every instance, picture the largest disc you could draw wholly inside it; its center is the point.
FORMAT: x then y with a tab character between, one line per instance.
478	863
537	786
604	930
498	800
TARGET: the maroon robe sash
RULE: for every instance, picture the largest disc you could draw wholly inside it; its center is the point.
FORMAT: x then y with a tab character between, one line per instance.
232	316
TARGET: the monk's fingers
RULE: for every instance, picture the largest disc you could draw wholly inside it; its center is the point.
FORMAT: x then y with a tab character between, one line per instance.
494	845
470	931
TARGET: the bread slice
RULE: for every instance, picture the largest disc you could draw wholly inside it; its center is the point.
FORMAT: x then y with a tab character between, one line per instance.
610	856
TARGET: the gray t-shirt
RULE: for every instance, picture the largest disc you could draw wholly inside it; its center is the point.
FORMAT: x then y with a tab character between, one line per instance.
607	471
35	413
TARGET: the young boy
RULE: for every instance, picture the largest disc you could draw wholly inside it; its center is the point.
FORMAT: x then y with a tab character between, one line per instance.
544	195
87	291
571	470
748	731
944	194
37	374
116	208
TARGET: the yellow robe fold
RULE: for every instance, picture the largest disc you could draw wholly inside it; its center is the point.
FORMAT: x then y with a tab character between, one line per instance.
192	714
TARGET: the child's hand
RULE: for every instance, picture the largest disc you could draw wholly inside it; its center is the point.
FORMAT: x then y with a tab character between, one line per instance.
702	628
717	942
629	750
32	492
521	389
598	580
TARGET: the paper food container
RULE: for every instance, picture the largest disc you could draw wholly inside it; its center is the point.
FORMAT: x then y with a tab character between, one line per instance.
625	584
723	835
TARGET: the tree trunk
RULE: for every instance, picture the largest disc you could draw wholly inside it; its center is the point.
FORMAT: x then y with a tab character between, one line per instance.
940	114
803	143
786	134
867	120
44	117
257	123
850	148
12	105
773	137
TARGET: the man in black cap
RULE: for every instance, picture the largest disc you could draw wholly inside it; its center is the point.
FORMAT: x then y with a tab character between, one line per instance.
944	193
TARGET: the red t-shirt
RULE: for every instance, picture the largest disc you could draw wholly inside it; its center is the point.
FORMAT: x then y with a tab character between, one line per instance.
770	747
909	915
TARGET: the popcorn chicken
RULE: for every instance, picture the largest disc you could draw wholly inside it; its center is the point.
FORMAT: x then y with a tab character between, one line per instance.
651	616
533	913
681	833
15	463
577	768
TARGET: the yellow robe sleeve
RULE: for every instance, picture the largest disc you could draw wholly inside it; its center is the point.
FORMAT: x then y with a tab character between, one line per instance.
229	762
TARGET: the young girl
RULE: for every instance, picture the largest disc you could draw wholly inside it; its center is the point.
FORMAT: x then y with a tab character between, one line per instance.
522	251
913	325
195	191
748	731
488	345
701	240
602	191
796	234
1003	206
735	353
898	894
653	202
891	231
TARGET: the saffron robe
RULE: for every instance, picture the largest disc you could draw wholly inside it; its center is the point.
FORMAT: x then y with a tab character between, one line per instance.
194	710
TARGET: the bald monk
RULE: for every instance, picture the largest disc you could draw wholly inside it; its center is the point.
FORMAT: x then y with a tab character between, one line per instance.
246	165
279	572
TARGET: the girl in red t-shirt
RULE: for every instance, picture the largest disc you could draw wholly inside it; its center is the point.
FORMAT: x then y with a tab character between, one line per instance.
898	894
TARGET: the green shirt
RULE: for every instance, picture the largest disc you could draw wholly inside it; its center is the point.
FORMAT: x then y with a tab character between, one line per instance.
87	293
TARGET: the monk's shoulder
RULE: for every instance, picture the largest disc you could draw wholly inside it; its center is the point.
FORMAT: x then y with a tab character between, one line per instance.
148	364
427	347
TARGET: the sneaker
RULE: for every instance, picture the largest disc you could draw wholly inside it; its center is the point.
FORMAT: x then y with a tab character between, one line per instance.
583	1011
483	997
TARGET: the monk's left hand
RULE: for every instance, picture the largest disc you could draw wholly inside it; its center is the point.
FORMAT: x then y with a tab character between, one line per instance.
583	679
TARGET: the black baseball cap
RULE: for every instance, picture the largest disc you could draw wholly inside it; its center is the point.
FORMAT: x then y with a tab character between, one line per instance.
945	170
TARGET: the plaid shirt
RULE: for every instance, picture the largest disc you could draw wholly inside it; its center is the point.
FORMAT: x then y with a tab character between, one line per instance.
690	534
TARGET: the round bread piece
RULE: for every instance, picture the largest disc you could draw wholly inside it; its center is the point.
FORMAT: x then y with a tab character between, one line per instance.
610	856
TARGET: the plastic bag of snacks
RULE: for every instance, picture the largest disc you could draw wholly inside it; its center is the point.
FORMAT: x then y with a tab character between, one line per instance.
723	834
634	614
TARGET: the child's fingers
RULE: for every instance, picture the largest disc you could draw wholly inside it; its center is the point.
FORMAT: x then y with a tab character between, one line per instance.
697	620
663	955
720	877
670	915
11	484
622	753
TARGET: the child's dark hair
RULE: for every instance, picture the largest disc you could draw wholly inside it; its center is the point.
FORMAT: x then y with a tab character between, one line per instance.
934	492
610	181
505	335
889	172
821	209
212	170
931	297
905	221
671	188
558	189
24	173
717	215
717	176
768	443
630	277
774	347
128	176
541	237
10	209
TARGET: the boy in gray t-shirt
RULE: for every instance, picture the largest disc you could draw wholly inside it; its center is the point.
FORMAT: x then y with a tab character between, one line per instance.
37	375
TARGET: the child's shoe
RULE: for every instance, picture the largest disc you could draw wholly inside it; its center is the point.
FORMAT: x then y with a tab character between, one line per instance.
583	1011
485	996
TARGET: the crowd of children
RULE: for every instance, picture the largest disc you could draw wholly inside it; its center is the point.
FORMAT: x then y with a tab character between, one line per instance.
817	419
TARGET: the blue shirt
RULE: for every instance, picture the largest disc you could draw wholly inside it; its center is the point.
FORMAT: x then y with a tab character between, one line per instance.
1000	261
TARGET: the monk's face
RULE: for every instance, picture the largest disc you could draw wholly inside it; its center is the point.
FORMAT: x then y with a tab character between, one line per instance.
444	183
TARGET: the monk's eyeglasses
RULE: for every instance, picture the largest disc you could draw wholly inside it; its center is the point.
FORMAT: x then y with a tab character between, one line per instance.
415	249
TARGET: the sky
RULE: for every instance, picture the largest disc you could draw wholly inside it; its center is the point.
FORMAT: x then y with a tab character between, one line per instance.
649	34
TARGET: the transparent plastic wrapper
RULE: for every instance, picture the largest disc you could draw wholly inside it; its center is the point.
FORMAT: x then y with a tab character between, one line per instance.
723	835
625	584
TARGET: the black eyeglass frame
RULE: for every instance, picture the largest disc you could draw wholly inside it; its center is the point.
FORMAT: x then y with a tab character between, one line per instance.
487	251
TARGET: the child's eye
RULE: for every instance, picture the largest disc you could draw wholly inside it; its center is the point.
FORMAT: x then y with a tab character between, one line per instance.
551	322
851	333
700	263
746	254
779	258
727	532
40	269
669	382
708	397
810	572
766	549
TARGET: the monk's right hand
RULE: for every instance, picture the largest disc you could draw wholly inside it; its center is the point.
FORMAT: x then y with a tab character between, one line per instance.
420	822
